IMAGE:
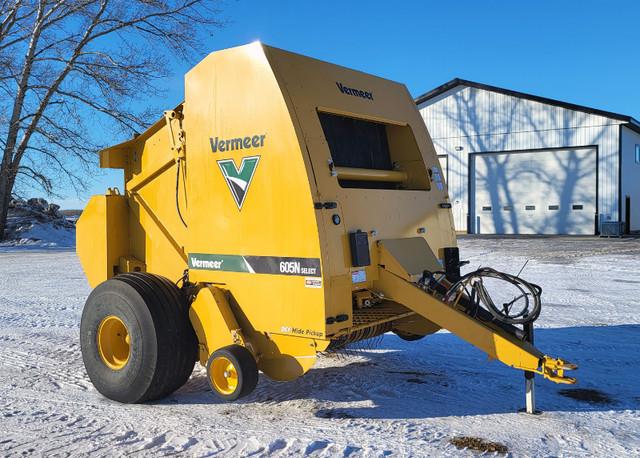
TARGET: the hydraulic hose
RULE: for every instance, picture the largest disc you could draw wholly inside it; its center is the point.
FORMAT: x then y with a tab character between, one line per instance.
177	202
528	301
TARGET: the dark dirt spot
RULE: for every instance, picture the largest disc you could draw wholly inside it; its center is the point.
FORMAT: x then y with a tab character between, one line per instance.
587	395
415	380
333	414
475	443
413	373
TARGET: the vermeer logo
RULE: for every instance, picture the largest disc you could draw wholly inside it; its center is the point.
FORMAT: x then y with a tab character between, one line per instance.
354	92
257	141
239	179
205	264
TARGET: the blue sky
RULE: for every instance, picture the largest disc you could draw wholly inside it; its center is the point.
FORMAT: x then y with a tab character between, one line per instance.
583	52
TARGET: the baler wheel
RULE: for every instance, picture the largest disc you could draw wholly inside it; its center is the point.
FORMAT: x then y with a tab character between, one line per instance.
136	338
232	372
408	336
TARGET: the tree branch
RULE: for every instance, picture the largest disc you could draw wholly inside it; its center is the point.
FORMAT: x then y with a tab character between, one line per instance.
69	65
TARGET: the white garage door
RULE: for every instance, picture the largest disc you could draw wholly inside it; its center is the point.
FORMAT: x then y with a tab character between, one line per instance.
535	192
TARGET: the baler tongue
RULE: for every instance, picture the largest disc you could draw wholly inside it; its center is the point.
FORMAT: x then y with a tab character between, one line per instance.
456	312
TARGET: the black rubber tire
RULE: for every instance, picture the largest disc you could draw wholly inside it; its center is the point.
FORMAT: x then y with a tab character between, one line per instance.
408	336
163	347
246	369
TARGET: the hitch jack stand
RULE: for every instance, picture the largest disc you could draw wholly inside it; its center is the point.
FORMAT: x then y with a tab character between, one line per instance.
530	387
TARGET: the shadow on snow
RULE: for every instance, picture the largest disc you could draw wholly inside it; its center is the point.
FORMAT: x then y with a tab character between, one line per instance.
442	376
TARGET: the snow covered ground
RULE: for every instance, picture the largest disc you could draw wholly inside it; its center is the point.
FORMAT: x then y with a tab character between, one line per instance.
400	398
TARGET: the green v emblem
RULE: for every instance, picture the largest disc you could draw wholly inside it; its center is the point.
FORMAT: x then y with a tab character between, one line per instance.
239	180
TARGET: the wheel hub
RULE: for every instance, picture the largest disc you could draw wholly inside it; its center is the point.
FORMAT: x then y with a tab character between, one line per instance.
114	343
223	375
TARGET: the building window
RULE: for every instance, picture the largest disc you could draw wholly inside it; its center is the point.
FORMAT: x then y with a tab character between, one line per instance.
530	207
637	154
554	207
486	209
508	208
577	207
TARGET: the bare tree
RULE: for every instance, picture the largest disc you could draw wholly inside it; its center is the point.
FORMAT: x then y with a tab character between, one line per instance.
70	71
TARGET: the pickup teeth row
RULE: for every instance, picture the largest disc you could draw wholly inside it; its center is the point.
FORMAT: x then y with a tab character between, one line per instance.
360	335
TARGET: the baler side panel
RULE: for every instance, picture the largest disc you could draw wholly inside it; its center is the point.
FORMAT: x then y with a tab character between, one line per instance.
157	234
252	223
337	291
102	237
403	213
313	89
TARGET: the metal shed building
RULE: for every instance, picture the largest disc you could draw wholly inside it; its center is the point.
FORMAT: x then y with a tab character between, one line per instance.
521	164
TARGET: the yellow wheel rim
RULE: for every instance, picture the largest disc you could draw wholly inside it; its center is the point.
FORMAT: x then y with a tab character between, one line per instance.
114	343
223	375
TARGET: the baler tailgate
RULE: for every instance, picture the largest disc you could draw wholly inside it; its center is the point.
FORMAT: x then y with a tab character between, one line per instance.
498	344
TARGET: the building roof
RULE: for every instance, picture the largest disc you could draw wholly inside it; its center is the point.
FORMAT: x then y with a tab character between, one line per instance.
633	124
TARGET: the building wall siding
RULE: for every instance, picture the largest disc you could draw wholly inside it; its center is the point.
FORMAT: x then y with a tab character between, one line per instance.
630	175
467	120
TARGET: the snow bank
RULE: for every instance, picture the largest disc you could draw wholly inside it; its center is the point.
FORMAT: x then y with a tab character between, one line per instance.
35	223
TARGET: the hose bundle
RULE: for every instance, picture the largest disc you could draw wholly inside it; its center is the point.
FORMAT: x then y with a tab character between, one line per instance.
523	308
